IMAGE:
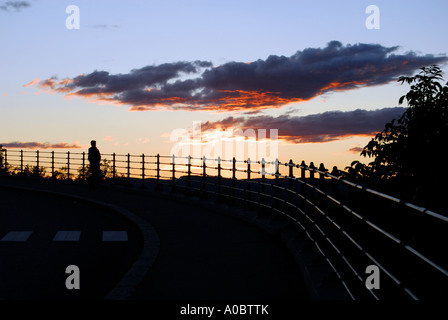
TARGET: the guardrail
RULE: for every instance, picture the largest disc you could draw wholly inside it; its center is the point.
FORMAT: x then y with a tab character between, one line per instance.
350	225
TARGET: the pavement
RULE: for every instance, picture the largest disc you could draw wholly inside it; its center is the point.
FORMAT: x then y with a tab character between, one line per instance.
174	249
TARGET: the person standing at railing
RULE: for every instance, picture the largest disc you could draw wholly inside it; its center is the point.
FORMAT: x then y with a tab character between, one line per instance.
94	158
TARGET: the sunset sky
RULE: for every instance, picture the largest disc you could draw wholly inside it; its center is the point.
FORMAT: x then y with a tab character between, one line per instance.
137	71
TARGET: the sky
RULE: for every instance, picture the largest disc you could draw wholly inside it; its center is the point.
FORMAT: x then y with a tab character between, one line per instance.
140	76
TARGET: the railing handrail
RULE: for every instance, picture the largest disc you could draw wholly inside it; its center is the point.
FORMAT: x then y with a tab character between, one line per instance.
310	168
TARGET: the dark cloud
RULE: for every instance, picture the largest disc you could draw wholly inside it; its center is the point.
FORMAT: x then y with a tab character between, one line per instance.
143	79
322	127
356	150
273	82
17	5
40	145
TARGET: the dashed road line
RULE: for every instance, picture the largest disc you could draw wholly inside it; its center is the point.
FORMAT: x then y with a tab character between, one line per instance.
16	236
67	236
113	236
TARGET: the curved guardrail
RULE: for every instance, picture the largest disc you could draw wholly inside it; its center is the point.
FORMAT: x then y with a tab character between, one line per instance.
350	225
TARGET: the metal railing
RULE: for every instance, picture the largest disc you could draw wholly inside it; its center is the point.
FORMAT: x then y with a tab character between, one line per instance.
350	225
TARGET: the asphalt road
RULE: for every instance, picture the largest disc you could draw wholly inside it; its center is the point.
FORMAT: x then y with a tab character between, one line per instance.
204	255
41	235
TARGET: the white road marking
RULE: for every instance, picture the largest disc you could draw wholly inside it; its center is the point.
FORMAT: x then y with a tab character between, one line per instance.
115	236
67	236
17	236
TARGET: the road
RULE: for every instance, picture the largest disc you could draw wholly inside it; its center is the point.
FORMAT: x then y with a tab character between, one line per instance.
203	254
41	235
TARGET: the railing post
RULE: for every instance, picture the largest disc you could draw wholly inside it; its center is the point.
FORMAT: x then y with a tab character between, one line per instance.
291	184
263	182
334	183
113	166
248	181
303	188
21	161
312	195
322	175
335	171
312	168
37	160
219	176
277	174
204	175
233	178
68	164
5	155
83	172
52	164
322	169
189	173
158	170
143	170
302	169
128	166
173	170
291	168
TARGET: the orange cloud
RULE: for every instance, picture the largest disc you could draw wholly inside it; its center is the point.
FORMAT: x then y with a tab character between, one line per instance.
32	83
342	86
241	99
228	100
41	145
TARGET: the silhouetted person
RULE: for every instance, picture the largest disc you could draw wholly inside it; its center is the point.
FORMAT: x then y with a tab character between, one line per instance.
94	159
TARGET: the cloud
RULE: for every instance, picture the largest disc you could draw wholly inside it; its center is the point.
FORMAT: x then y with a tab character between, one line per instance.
143	140
356	150
40	145
14	5
270	83
314	128
32	83
104	26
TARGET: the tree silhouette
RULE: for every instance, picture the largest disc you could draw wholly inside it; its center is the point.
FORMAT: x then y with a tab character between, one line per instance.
30	171
3	166
410	150
106	171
